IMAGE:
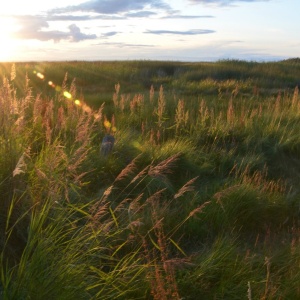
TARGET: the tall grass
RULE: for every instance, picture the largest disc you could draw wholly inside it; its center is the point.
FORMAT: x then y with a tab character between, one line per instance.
199	197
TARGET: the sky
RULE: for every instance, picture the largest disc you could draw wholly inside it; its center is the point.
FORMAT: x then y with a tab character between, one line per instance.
173	30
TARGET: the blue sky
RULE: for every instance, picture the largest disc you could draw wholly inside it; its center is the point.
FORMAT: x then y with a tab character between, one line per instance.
181	30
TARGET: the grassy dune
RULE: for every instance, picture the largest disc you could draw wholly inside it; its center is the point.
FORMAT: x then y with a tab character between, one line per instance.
199	198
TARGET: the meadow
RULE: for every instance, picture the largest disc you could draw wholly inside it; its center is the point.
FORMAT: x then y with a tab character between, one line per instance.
199	198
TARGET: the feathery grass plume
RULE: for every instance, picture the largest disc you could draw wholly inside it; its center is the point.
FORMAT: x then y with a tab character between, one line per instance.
52	161
100	207
38	108
203	113
116	95
141	174
40	174
254	113
83	128
235	91
242	117
47	120
99	212
48	132
202	108
99	114
181	116
122	206
113	123
73	89
77	158
6	100
107	192
198	209
161	107
161	273
135	206
61	119
187	187
25	105
79	155
136	104
259	179
20	167
151	94
13	73
152	137
128	170
133	105
122	103
64	88
154	275
155	196
165	167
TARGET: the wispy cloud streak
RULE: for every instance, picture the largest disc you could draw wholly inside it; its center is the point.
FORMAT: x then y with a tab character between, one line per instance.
178	32
223	2
114	6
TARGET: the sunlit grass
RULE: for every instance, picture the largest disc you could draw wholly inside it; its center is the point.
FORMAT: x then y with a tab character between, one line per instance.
198	197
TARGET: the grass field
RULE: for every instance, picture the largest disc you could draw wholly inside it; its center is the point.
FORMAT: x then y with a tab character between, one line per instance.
199	198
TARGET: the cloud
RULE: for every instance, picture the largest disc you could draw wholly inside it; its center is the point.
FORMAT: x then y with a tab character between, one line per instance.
134	14
110	33
185	17
36	28
187	32
141	14
223	2
123	45
114	6
83	17
76	35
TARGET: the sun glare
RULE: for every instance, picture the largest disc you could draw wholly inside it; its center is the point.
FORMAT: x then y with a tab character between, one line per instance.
7	42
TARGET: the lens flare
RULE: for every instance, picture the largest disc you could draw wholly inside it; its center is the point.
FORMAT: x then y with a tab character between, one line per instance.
107	124
67	95
51	84
40	75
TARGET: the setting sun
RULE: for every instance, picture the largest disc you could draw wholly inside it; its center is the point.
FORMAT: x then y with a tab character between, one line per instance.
8	44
